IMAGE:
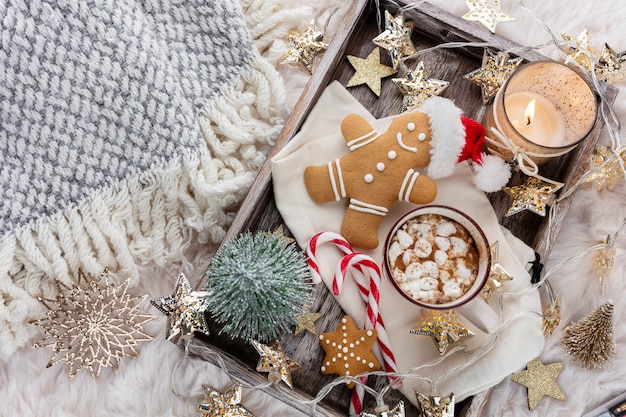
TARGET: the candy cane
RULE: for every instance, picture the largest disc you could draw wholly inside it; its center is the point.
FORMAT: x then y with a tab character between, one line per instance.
368	279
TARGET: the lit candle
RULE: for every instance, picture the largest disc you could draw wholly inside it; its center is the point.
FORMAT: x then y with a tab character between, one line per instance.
565	110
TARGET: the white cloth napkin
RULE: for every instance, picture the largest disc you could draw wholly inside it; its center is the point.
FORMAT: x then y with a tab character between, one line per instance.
521	340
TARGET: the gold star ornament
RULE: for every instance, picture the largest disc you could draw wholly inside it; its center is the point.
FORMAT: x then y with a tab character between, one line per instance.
444	327
578	49
396	38
369	71
486	12
305	47
92	327
611	66
184	309
416	87
274	361
497	274
384	411
605	168
534	195
225	404
495	70
306	321
434	405
540	380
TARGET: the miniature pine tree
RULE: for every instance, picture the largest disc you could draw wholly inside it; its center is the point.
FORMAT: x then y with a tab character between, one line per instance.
590	340
259	285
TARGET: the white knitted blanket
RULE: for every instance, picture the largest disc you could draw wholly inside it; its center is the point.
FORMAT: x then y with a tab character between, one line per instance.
127	130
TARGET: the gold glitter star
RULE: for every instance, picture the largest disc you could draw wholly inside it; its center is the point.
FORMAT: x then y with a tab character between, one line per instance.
486	12
540	380
305	47
184	309
495	70
444	327
369	71
534	195
397	411
273	359
280	234
433	405
497	274
93	327
417	87
580	51
306	321
551	317
611	67
227	404
605	167
396	38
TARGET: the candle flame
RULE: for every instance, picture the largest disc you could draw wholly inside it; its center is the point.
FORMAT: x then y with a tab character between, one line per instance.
530	112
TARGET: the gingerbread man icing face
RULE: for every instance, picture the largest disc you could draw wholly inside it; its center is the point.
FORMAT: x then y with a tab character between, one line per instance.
379	170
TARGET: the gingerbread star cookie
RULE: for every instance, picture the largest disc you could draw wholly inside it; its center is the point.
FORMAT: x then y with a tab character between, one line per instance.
348	350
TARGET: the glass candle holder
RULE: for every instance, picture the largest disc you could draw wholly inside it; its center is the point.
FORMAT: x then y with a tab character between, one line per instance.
545	109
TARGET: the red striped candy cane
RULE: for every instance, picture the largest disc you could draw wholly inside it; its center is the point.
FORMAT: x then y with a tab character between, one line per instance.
319	239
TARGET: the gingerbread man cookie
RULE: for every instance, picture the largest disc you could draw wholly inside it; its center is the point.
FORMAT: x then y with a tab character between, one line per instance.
383	168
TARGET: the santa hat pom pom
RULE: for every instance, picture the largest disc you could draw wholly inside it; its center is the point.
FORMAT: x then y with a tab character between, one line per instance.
492	174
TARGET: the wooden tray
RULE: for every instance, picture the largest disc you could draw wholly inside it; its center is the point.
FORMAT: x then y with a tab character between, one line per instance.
258	212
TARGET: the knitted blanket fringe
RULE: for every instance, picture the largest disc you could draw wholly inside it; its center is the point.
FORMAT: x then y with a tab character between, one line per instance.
156	217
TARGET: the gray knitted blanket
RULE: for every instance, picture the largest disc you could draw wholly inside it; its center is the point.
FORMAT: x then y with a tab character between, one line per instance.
127	130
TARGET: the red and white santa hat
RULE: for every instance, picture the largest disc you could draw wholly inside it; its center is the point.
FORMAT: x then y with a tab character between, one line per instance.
456	138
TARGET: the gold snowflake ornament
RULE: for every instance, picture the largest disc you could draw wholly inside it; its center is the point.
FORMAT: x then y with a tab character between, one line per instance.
444	327
184	309
305	47
94	326
605	167
495	70
396	38
416	87
486	12
611	66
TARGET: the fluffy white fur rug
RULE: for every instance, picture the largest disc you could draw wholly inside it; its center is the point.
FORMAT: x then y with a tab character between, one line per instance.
143	385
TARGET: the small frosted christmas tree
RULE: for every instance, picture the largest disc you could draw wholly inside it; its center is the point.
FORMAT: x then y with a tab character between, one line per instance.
590	340
259	284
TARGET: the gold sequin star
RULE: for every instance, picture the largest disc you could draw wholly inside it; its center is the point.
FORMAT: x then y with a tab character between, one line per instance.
605	167
540	380
578	49
396	38
369	71
274	360
497	274
92	327
397	411
486	12
416	87
279	233
184	309
305	47
534	195
433	405
306	321
551	317
611	66
444	327
225	404
495	70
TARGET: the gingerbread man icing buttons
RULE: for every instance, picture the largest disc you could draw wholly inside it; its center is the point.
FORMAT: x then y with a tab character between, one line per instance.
348	350
383	168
